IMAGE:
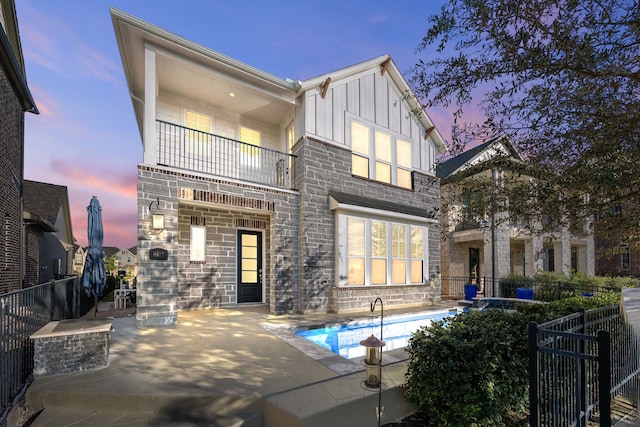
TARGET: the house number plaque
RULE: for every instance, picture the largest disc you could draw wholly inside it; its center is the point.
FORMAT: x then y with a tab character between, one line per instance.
158	254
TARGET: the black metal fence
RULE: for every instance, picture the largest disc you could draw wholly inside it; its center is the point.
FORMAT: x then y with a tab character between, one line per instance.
24	312
190	149
580	365
453	288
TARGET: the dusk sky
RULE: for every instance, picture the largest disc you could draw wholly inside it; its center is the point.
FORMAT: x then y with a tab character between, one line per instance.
85	136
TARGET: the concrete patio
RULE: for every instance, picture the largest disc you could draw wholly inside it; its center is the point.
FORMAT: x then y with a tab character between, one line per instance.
225	367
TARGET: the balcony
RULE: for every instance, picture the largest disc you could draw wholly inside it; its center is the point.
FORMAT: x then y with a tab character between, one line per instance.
195	151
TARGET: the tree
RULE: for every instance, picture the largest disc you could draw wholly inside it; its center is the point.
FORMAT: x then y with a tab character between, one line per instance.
562	79
111	264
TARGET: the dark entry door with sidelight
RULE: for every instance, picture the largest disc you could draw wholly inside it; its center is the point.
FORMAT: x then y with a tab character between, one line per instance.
249	266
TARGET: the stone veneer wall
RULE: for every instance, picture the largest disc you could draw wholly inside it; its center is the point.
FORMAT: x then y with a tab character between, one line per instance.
75	352
213	283
358	298
164	287
320	168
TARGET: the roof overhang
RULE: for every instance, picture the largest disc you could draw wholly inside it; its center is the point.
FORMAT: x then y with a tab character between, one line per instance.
11	58
379	208
35	220
190	70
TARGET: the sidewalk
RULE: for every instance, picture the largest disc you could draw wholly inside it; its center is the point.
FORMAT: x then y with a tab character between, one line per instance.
222	367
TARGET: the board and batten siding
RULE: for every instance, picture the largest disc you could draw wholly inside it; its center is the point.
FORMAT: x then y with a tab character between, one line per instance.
373	98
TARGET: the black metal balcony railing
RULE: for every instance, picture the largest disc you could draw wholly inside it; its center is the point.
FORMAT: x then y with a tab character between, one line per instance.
185	148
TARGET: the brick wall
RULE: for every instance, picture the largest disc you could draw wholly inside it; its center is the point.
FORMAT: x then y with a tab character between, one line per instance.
33	236
11	176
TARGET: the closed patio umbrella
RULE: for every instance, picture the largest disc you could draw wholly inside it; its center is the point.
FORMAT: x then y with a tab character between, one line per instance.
93	274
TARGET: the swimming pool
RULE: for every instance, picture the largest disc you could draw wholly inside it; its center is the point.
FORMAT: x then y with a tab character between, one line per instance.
344	339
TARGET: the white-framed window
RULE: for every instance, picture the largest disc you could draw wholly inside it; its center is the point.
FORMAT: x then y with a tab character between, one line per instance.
379	155
198	133
355	251
250	150
198	241
360	149
380	252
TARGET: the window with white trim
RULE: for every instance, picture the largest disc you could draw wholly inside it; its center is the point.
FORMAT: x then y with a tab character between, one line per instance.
380	252
380	155
250	151
198	134
198	241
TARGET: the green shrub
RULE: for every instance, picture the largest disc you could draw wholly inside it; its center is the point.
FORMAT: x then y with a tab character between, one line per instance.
472	369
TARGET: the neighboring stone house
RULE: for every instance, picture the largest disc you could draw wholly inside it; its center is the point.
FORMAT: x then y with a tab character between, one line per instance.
471	240
15	100
48	233
305	196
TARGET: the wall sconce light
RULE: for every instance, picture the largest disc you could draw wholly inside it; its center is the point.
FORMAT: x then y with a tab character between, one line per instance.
157	218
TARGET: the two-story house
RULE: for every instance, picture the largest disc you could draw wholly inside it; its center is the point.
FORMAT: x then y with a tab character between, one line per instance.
127	260
305	196
15	100
480	245
49	238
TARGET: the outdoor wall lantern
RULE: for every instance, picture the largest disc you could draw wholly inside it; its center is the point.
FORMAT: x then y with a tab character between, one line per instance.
157	218
373	361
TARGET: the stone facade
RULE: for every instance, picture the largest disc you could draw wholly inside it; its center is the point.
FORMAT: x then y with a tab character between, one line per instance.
299	233
76	348
223	207
321	168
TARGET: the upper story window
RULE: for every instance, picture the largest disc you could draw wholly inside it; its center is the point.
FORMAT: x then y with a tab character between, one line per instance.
250	151
379	155
198	138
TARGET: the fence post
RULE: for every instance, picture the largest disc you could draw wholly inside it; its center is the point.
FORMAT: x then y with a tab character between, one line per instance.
533	374
582	366
604	377
52	300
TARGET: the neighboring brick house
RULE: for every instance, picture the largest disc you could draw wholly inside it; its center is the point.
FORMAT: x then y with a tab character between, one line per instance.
616	257
15	100
469	244
312	196
49	238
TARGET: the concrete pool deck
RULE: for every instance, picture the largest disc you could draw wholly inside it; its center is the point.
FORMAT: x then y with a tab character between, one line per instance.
224	367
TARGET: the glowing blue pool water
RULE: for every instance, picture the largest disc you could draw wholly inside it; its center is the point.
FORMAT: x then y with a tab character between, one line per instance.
344	339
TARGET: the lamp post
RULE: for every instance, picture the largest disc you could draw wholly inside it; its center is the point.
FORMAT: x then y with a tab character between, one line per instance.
373	360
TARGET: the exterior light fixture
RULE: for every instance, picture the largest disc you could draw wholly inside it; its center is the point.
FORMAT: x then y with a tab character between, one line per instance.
158	221
373	361
232	94
157	218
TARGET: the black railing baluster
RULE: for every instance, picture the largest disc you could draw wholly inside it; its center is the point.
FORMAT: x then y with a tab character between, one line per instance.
190	149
